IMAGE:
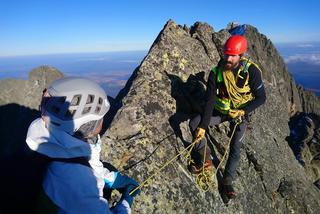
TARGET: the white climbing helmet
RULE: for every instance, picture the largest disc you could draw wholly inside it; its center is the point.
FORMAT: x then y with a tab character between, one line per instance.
70	102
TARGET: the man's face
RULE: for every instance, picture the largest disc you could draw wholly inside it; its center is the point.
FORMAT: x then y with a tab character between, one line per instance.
231	61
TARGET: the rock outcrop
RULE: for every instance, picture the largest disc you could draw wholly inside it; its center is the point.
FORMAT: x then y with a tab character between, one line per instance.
19	104
309	101
152	126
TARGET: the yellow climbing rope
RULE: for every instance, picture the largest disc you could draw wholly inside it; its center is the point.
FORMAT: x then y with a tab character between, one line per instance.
164	166
204	178
237	121
188	154
207	178
238	96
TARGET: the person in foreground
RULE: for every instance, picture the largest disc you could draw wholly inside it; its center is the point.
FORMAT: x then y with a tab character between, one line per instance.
67	132
234	90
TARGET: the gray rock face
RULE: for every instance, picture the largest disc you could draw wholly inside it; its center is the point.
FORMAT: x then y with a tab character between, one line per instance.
151	126
28	92
19	102
309	101
304	141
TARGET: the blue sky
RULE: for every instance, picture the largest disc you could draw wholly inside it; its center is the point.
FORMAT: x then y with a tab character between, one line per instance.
69	26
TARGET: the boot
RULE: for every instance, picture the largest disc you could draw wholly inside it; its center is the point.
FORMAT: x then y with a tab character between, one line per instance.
227	189
196	168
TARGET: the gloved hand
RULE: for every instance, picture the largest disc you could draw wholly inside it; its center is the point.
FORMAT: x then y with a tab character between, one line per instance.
123	181
126	193
234	113
200	132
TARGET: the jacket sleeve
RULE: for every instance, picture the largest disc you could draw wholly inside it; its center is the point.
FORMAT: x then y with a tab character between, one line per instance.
257	89
76	189
210	99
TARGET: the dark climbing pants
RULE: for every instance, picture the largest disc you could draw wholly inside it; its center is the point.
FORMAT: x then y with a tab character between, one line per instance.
235	145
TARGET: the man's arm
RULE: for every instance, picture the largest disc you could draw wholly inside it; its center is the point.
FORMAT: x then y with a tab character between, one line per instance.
210	99
257	89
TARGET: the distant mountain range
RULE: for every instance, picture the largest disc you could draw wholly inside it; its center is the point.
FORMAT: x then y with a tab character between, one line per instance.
303	62
112	69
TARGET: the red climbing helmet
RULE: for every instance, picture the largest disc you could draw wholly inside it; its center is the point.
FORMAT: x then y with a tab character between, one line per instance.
235	45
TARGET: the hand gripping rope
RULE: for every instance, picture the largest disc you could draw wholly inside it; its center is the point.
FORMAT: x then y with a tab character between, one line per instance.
207	178
203	179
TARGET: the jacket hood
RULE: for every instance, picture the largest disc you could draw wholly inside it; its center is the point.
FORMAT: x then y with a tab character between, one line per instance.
56	143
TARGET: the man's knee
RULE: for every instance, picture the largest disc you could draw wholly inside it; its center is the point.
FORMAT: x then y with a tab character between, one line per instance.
193	124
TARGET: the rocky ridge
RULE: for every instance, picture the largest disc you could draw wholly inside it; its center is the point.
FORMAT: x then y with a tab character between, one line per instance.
19	104
168	88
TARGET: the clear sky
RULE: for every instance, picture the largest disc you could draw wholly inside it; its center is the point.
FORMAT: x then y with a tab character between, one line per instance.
30	27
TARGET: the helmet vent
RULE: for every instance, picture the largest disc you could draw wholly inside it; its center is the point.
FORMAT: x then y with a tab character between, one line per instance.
86	110
75	100
100	101
90	99
97	111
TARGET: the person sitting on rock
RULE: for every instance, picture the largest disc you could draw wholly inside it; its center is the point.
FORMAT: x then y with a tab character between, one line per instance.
72	111
234	90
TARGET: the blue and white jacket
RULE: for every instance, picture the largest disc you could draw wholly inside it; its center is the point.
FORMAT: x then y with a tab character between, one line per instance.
73	187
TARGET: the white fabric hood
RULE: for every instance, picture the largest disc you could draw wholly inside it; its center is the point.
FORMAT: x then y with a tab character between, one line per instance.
55	144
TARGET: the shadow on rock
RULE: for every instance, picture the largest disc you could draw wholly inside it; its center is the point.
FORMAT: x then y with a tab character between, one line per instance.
304	140
107	120
189	98
14	123
301	133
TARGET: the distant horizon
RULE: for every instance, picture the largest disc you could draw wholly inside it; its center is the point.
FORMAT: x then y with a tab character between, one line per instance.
277	44
112	68
71	53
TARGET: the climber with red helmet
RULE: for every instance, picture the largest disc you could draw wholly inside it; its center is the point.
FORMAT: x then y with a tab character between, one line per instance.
234	90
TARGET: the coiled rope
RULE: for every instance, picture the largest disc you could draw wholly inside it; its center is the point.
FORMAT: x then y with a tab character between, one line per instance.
237	95
204	178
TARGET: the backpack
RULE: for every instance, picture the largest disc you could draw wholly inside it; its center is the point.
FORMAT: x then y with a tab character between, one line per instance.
237	30
21	180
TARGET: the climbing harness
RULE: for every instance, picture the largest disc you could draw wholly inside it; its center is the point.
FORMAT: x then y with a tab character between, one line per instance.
205	178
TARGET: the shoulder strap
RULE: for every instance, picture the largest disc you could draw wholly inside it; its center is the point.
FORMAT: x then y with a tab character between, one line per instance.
217	71
80	160
246	62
